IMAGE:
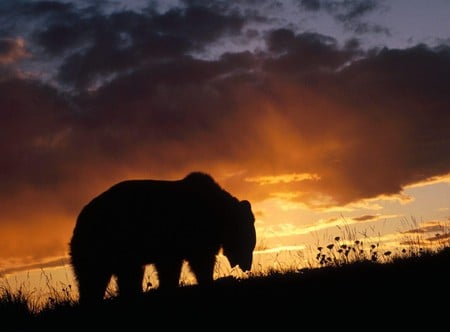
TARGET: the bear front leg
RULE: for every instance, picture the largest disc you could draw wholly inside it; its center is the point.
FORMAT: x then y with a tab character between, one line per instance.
92	282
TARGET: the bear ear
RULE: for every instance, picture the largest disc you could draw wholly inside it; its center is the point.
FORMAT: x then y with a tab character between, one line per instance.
245	204
246	208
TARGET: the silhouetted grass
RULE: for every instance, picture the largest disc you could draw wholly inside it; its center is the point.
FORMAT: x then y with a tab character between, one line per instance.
15	307
351	283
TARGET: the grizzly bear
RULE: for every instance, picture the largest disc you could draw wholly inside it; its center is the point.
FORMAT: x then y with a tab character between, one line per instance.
161	222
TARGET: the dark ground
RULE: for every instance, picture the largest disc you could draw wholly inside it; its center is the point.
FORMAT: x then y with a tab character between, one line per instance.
407	294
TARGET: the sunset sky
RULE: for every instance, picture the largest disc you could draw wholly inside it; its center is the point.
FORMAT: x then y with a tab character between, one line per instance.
327	115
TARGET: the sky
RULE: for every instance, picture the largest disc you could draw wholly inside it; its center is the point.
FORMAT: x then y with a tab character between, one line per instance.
330	116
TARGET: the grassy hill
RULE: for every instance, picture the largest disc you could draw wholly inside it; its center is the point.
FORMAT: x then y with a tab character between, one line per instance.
409	291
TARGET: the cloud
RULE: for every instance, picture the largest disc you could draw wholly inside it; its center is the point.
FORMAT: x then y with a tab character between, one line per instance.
366	217
12	50
349	9
312	5
305	52
350	13
285	178
353	9
98	46
428	234
55	262
366	129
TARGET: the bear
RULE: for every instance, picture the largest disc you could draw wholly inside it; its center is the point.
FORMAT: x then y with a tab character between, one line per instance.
165	223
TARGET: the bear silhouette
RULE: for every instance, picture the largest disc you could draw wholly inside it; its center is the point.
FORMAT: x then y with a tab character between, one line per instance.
161	222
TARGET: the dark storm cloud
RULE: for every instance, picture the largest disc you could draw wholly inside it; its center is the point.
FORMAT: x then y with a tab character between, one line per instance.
351	13
15	14
367	127
295	54
198	24
123	41
32	116
131	31
96	42
343	10
352	9
312	5
396	103
58	37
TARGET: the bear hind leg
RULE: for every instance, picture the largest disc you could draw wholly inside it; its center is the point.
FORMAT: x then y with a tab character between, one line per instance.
129	280
203	268
169	273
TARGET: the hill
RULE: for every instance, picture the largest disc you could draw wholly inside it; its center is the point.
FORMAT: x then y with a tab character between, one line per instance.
408	292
